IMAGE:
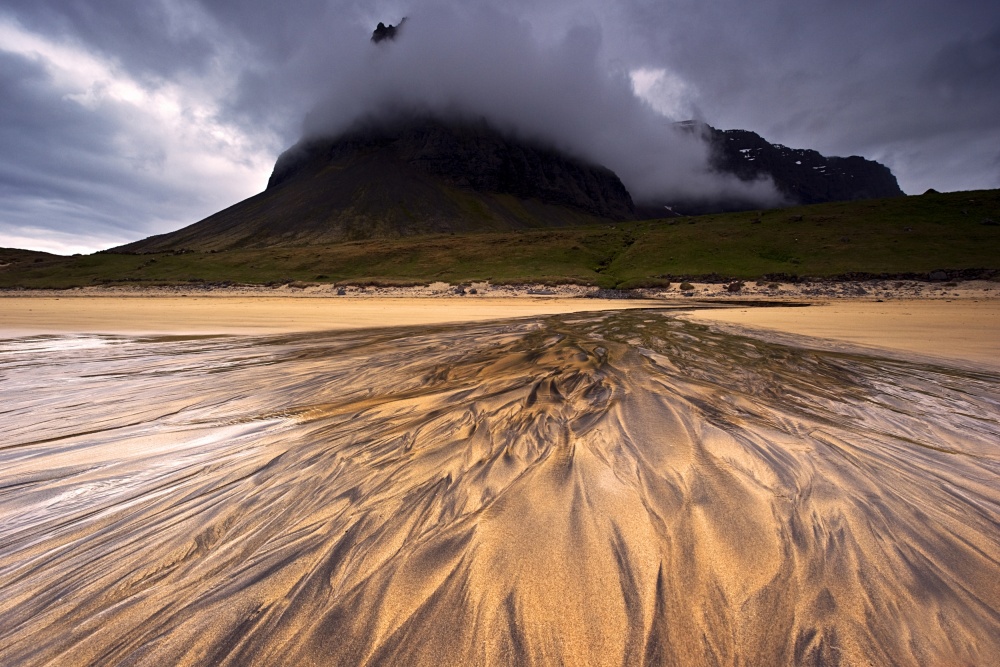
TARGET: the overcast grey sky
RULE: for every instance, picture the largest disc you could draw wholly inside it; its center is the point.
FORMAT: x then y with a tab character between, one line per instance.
121	119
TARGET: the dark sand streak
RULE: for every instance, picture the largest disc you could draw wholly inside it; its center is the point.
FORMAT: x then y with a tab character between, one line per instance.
625	488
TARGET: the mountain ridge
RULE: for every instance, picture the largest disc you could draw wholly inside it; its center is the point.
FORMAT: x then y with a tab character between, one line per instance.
802	175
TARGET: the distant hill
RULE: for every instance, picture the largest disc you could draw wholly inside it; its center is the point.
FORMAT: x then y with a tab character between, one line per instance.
15	258
419	176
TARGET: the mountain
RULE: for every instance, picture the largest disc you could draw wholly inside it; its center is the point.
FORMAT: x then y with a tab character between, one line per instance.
470	156
419	175
425	175
803	176
384	180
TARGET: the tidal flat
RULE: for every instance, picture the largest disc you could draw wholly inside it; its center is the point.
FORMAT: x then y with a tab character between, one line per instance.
588	488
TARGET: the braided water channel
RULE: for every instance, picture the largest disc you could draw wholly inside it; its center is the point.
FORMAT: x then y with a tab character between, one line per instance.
622	488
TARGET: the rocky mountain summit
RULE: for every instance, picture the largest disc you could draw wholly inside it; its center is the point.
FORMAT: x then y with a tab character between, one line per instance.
801	176
383	32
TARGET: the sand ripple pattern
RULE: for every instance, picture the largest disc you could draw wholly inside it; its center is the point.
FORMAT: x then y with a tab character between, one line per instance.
620	489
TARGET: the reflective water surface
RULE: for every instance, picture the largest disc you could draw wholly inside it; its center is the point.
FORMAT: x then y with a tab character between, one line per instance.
622	488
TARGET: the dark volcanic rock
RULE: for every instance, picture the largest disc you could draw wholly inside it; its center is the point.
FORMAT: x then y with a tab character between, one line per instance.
471	156
735	286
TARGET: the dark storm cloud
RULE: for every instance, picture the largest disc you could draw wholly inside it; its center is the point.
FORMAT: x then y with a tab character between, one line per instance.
94	151
150	37
54	159
192	100
964	74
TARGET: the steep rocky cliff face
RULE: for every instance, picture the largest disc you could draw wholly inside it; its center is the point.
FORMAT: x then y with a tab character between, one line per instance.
471	156
803	176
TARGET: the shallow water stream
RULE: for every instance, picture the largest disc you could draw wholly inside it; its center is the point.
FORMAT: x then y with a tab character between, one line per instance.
622	488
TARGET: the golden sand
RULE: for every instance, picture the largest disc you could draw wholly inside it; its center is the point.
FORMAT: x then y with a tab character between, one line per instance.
963	329
581	489
260	314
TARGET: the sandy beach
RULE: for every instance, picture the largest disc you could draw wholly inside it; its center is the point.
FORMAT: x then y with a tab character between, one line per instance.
957	323
643	484
199	314
960	330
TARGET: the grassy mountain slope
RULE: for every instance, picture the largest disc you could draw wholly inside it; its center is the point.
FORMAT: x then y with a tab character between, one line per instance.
16	258
371	197
899	235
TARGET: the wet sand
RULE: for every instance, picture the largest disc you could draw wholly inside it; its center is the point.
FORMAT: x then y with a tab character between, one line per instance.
601	488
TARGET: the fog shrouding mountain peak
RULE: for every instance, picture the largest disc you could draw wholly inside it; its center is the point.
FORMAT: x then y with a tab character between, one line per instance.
477	63
455	124
127	119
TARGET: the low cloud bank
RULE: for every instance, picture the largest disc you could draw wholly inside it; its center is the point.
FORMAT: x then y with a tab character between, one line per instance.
484	63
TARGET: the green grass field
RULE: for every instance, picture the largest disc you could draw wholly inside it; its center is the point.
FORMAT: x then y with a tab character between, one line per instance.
892	236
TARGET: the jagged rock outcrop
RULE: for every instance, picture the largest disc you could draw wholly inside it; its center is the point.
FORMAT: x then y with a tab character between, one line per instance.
383	31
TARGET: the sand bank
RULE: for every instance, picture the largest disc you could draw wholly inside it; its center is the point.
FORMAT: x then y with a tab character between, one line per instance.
958	330
963	329
35	315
